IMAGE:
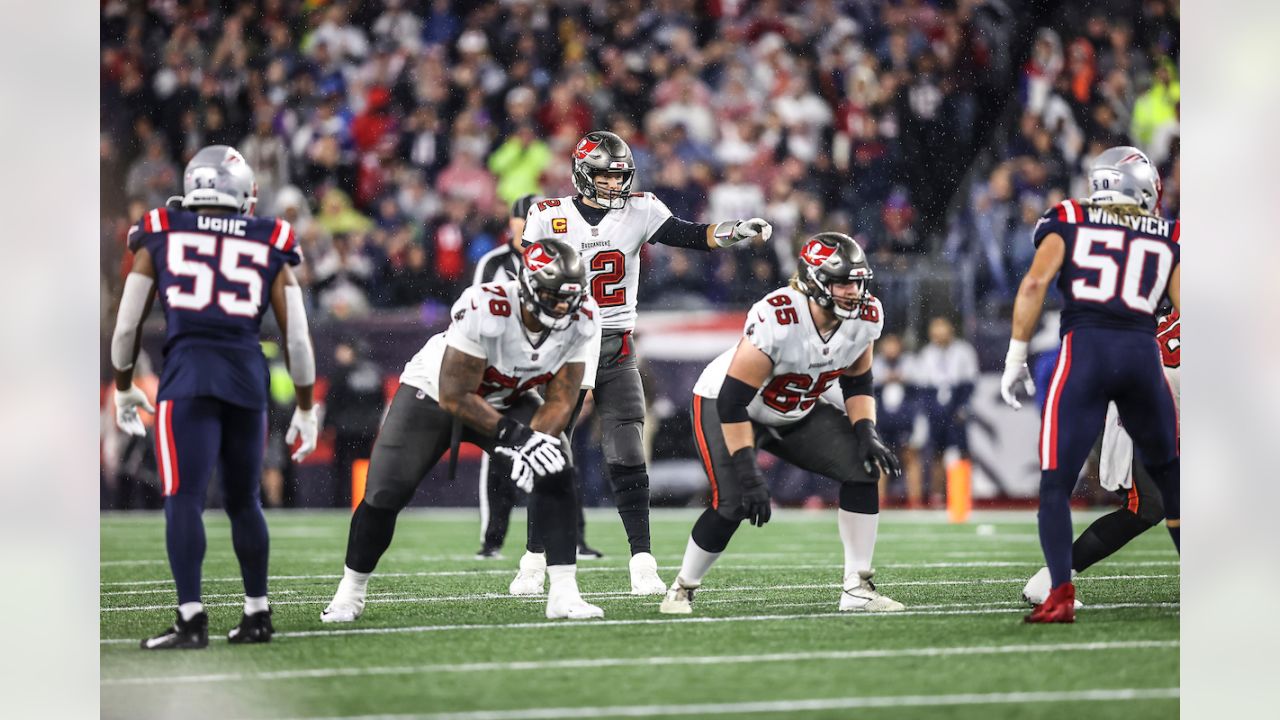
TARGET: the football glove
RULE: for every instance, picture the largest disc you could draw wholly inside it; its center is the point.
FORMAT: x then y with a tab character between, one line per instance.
1015	374
304	425
533	454
755	492
745	230
127	404
873	452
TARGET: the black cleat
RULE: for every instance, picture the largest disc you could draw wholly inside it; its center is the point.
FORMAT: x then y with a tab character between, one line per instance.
489	553
586	552
184	635
255	628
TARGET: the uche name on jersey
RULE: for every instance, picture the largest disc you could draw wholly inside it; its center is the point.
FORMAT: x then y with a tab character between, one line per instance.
222	225
1139	223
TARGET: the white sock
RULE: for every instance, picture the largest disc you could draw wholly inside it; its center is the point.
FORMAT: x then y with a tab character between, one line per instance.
253	605
353	582
190	610
858	535
563	577
696	563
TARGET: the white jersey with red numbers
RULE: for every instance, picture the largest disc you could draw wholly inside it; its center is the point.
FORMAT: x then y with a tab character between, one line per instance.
1115	467
804	364
611	249
486	324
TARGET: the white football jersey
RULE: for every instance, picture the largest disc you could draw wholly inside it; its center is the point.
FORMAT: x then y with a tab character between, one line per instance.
804	365
611	249
486	324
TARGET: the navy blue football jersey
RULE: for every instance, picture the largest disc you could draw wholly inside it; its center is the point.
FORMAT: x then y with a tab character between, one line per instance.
214	276
1117	267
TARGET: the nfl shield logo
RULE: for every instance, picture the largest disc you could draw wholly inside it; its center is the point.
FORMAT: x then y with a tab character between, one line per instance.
595	232
535	357
826	351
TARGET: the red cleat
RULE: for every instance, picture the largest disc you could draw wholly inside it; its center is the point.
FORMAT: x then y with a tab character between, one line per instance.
1059	607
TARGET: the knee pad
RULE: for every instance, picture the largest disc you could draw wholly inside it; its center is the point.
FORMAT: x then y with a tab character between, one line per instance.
860	497
624	443
630	485
713	531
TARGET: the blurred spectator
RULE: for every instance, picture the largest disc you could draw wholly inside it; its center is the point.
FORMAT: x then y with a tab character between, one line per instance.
337	216
353	410
734	197
898	413
267	155
465	177
153	177
343	278
518	163
947	369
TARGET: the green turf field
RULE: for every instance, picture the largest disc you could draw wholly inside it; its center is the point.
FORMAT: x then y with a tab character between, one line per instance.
440	638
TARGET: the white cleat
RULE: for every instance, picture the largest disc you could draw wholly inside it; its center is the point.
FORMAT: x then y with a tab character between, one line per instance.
1037	589
569	605
860	595
344	608
644	575
532	575
679	599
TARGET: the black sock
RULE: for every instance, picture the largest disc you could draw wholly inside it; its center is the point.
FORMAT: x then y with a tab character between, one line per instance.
1104	537
713	531
631	495
1173	533
370	536
551	504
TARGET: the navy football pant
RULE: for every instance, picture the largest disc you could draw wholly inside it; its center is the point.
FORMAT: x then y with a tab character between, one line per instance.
1096	366
193	436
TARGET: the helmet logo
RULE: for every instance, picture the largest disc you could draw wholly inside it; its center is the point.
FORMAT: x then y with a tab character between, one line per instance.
816	252
1135	157
585	146
537	258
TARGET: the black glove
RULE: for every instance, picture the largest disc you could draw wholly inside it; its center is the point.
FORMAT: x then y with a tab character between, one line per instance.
755	493
872	450
512	433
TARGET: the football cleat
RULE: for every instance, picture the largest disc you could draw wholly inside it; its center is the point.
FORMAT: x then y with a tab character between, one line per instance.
183	635
532	575
679	599
567	604
1037	589
586	552
489	553
644	575
255	628
1059	607
860	595
346	606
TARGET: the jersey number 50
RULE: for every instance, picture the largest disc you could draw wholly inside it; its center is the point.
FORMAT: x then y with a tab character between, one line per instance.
1108	269
229	264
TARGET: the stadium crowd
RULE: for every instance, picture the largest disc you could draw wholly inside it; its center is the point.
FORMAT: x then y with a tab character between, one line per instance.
395	134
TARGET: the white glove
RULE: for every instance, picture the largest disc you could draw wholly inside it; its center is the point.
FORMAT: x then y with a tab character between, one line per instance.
304	425
127	404
543	453
521	471
1015	374
745	230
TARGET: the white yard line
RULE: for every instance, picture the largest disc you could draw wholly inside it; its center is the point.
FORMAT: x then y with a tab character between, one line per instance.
392	597
593	569
551	624
661	661
790	707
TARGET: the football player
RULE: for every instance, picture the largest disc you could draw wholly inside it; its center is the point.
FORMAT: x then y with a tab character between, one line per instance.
608	223
768	392
215	268
1120	472
477	381
1115	260
497	493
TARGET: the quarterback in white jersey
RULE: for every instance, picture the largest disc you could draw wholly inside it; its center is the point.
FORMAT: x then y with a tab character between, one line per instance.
769	390
475	383
608	224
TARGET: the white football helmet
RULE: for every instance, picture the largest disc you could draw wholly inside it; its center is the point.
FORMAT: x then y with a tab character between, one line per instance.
219	176
1124	175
